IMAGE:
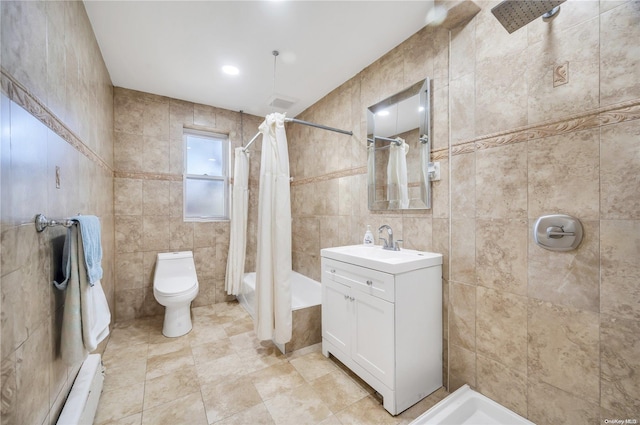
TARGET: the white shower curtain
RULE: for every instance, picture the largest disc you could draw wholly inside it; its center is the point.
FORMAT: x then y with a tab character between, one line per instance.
239	210
397	185
273	268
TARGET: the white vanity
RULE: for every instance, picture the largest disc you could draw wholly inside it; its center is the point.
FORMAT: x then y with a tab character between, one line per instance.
382	318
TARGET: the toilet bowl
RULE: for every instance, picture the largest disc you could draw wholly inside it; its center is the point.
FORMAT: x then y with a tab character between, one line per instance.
175	285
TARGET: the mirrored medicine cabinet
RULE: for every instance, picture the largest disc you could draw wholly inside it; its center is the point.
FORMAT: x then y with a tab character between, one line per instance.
398	149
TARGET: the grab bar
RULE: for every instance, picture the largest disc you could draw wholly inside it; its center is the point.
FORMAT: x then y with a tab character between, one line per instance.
42	222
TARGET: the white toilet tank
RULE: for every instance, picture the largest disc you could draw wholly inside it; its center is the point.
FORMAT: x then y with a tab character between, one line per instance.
175	273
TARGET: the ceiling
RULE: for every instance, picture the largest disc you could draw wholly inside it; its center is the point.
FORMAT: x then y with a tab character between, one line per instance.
177	48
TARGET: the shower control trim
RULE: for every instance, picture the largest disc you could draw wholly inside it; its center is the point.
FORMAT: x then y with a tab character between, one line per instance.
558	232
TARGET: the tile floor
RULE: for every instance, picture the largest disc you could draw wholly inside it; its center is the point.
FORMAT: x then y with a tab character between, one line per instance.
220	373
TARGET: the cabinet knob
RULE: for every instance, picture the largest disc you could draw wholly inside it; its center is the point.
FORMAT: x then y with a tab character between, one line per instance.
369	282
333	270
351	298
346	297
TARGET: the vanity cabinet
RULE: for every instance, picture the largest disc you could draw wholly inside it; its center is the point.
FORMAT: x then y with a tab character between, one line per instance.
387	328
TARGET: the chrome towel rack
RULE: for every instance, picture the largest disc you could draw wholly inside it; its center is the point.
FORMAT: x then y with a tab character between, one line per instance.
42	222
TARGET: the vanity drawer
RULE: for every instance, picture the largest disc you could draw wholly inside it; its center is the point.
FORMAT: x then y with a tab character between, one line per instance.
365	280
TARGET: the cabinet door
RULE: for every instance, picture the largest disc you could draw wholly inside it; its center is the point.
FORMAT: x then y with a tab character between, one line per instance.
336	314
372	338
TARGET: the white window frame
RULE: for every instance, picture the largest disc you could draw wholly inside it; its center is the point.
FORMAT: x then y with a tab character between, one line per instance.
226	153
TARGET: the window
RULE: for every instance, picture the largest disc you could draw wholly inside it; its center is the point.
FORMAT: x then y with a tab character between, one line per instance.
206	176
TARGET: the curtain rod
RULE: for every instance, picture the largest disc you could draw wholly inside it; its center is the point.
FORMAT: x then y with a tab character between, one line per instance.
297	121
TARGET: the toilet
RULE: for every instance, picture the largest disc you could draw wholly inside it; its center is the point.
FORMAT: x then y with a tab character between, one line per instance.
175	285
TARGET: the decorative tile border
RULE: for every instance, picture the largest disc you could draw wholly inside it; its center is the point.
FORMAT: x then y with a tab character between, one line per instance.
613	114
330	176
23	97
147	176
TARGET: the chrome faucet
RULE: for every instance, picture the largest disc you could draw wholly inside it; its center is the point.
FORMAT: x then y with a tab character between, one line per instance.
388	244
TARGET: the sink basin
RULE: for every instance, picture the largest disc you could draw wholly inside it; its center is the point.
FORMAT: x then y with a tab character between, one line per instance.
376	258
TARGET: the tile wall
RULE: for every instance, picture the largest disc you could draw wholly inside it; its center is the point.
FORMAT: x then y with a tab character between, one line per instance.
148	163
553	336
57	111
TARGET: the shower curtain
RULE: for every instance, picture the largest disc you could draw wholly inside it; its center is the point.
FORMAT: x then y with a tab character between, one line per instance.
273	262
397	185
239	210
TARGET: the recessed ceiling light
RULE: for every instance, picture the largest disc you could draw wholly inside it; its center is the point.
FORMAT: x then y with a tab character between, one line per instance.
231	70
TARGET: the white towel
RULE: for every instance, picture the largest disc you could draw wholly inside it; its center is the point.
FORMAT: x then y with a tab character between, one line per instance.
95	309
86	316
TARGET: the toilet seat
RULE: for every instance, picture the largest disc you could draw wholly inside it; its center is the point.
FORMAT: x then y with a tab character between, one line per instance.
173	287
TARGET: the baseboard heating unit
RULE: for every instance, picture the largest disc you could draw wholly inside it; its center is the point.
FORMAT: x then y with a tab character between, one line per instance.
82	402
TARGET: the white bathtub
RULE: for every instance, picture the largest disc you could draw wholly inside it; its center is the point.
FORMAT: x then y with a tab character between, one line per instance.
468	407
306	299
305	292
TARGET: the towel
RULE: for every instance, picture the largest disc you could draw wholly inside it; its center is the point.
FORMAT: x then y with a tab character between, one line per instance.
86	316
90	231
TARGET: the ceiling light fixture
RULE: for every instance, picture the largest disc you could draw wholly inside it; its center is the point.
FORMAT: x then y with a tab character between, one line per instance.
230	70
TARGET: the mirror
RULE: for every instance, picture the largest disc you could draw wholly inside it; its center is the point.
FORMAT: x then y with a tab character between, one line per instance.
398	149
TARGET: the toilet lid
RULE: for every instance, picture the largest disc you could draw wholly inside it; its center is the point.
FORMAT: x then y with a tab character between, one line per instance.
175	277
171	287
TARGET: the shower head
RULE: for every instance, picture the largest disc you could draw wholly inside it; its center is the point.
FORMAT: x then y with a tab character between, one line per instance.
514	14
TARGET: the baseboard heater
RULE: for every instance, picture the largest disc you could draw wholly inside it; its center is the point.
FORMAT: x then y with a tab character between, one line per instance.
82	402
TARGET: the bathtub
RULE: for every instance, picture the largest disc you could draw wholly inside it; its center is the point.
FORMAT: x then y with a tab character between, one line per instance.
306	300
468	407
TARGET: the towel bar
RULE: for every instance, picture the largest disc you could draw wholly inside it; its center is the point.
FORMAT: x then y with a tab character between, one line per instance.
43	222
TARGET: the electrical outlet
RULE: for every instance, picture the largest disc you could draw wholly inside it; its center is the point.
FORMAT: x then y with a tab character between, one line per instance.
57	177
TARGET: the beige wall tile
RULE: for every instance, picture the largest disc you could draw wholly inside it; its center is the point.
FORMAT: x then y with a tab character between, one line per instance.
462	109
156	233
502	384
463	179
619	166
619	61
577	45
128	233
620	385
417	233
32	388
462	316
501	255
155	197
570	278
181	238
127	196
155	155
305	235
501	103
463	251
462	367
155	119
559	185
501	329
128	112
129	273
501	182
128	152
419	56
573	12
440	123
564	348
462	50
550	405
440	234
620	270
